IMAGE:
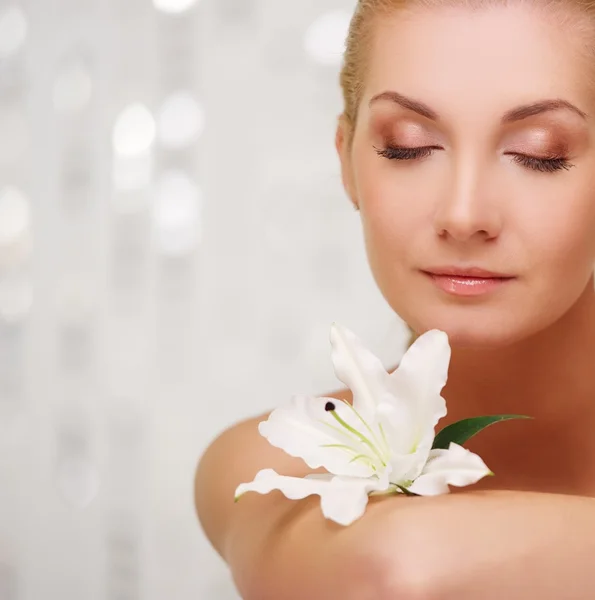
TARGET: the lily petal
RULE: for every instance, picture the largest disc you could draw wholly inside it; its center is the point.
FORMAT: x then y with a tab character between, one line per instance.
455	466
305	429
400	427
420	377
342	499
359	369
409	464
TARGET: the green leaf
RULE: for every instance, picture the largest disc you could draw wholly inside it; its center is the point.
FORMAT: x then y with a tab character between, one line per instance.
461	431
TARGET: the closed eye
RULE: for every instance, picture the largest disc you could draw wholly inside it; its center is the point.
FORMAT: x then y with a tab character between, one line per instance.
543	165
402	153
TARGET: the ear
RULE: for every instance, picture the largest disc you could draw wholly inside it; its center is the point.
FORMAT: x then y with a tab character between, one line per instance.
342	145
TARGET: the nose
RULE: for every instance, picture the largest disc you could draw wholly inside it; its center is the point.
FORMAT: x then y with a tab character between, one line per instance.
467	210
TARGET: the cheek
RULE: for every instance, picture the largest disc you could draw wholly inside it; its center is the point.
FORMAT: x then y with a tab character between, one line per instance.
390	205
561	237
390	220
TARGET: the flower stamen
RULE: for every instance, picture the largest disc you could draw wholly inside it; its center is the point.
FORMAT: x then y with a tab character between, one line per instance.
376	441
331	408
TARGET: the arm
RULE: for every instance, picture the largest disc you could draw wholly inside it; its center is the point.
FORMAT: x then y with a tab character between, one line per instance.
502	544
280	548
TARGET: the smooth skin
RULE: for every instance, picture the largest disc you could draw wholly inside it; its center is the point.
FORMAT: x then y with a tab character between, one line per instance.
474	199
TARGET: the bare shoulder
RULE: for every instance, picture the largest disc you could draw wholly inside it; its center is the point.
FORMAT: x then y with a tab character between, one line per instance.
342	394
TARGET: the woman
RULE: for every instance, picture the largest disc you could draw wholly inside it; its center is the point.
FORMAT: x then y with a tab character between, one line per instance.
467	143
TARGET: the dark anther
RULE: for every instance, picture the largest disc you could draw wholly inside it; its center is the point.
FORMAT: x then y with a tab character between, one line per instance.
329	406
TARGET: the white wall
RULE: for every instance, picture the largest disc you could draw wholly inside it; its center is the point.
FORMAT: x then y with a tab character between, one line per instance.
134	327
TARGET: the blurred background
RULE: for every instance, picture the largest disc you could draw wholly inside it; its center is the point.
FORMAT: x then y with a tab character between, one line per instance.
175	243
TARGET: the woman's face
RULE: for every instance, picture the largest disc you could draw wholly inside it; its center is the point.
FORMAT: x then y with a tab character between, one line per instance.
499	184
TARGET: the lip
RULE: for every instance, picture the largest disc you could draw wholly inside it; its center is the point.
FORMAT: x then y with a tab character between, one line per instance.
468	281
476	272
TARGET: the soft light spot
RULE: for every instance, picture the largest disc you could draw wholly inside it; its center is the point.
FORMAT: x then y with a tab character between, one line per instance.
177	214
174	6
15	215
324	41
134	131
181	120
13	30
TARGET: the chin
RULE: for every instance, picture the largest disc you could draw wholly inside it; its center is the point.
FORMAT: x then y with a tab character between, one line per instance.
473	331
486	338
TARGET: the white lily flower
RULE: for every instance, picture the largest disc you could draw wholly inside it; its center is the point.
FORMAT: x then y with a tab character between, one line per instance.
380	444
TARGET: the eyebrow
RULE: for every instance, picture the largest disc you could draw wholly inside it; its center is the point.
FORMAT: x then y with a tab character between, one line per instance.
516	114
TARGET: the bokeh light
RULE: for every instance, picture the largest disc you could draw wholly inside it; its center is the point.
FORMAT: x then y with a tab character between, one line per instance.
134	131
181	120
176	215
15	216
324	40
174	6
13	30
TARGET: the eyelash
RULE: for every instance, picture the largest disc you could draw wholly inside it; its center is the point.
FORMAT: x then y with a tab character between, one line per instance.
544	165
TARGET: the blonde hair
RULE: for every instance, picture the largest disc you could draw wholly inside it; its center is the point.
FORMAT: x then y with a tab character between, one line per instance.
576	16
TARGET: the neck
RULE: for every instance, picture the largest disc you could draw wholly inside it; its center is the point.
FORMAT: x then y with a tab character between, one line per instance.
529	376
550	377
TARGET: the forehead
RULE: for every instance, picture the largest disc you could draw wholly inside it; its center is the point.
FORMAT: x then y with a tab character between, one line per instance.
477	61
